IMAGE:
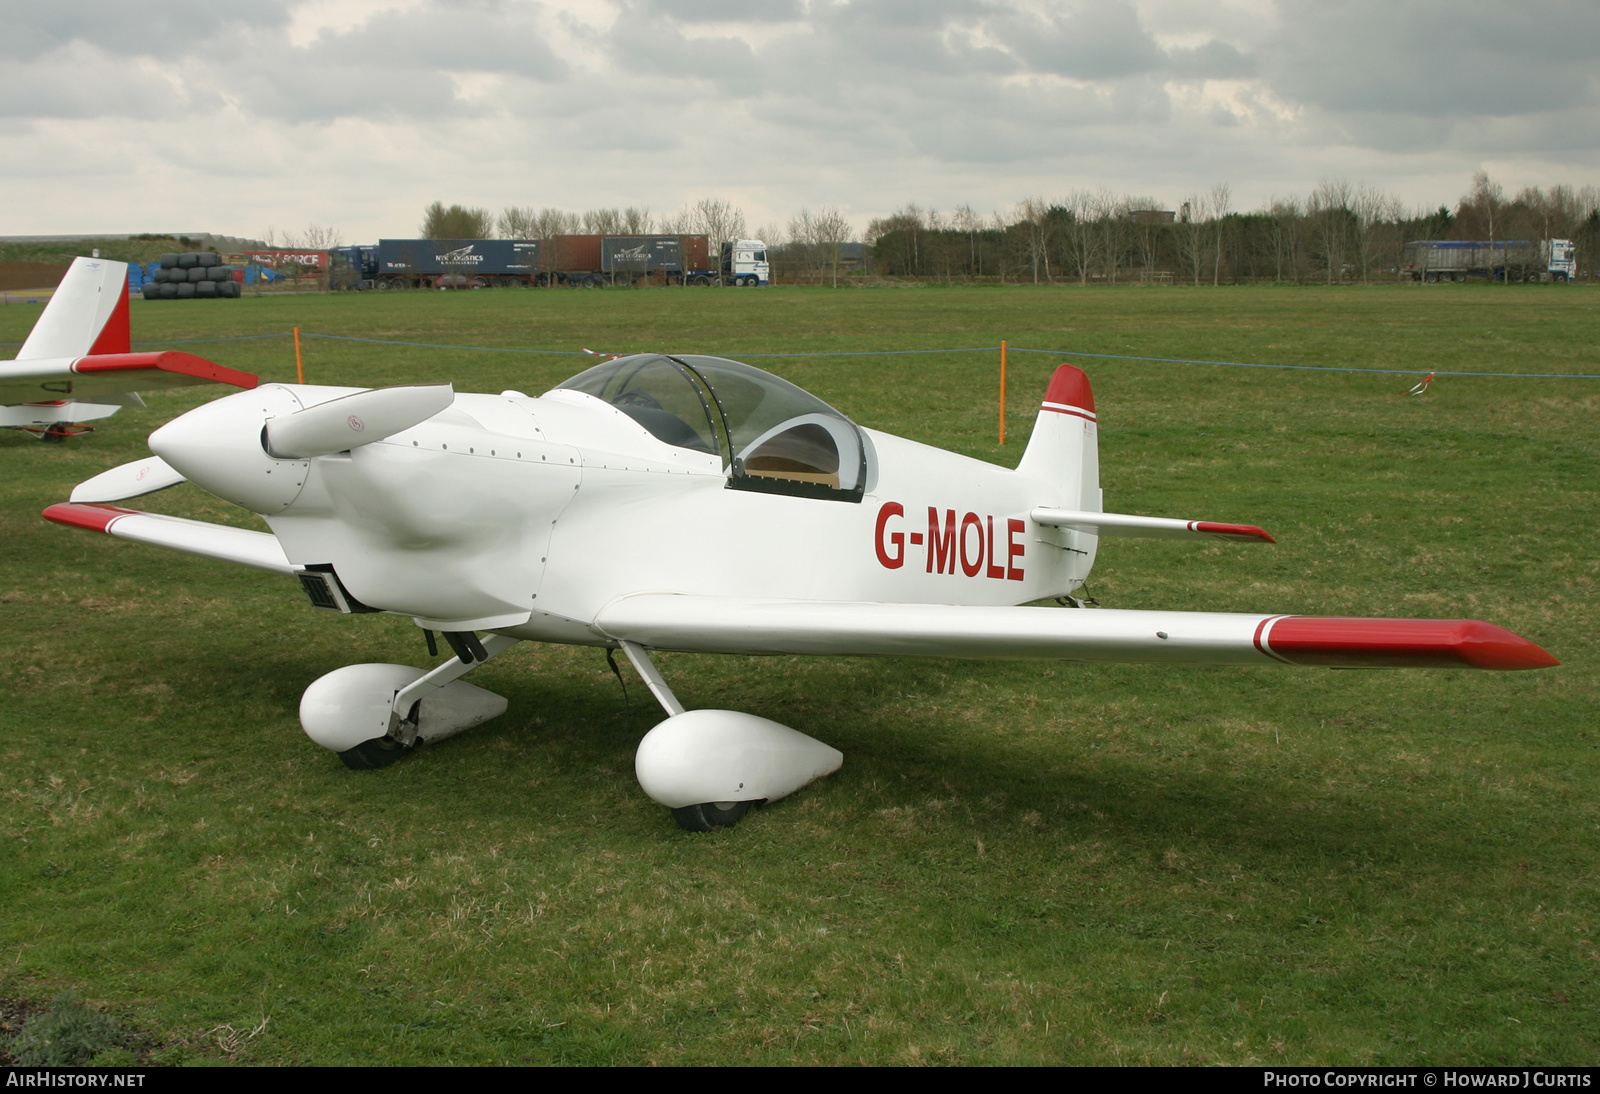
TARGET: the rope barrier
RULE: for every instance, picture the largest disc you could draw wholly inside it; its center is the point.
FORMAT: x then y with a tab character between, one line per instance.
901	352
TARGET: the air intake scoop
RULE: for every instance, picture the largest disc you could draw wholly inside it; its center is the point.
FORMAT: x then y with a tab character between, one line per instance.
352	421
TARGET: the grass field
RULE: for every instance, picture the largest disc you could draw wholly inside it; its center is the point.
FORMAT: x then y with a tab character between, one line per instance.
1018	863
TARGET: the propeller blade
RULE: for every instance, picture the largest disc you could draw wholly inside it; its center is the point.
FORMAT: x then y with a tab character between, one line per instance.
131	480
354	420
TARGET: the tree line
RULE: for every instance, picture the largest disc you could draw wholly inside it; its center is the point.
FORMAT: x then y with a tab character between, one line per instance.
1340	232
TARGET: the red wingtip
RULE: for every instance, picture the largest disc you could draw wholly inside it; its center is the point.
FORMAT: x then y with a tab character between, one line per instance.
96	518
116	336
1233	531
1401	643
1070	387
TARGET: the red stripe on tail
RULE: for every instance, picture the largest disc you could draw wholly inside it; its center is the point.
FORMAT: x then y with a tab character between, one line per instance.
115	336
1070	387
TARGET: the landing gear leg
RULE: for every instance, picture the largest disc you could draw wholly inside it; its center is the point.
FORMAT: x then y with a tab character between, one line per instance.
710	766
371	715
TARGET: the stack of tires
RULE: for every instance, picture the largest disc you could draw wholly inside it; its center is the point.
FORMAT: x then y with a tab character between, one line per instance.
191	275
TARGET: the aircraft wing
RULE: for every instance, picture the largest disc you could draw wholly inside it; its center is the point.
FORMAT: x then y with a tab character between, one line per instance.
745	625
85	379
196	537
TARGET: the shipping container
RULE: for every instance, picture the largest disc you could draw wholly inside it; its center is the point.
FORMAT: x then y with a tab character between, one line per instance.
422	261
580	261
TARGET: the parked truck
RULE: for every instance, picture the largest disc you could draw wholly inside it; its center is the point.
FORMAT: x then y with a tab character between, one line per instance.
1433	260
580	261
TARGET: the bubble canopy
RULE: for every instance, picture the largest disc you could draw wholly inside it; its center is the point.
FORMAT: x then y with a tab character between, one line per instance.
772	436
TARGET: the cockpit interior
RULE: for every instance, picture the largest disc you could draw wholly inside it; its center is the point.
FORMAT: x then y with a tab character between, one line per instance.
772	436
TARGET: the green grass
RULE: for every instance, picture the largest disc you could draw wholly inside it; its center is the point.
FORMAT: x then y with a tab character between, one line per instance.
1019	863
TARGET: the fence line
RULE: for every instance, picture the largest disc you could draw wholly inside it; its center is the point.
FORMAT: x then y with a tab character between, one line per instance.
903	352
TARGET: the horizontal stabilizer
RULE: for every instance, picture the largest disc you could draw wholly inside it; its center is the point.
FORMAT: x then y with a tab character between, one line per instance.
90	378
354	420
743	625
1122	524
219	541
131	480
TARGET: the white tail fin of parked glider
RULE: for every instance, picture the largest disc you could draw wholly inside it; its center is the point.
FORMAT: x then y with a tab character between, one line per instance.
87	315
78	364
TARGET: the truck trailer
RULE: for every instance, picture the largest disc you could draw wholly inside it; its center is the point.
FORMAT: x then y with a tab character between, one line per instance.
1433	260
579	261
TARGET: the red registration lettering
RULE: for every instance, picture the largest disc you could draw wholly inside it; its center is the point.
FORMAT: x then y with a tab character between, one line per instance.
1014	549
995	571
970	567
897	539
941	549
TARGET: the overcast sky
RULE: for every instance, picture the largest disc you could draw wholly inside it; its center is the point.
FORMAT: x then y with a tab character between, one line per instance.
233	116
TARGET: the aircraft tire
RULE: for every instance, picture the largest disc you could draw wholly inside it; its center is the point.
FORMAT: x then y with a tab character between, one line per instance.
710	816
373	754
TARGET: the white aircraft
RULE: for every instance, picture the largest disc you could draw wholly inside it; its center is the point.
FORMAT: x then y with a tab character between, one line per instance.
688	503
78	366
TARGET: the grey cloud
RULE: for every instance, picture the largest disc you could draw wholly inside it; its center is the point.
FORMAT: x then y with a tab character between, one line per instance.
1212	61
722	11
465	38
1097	41
1433	58
164	29
658	52
77	81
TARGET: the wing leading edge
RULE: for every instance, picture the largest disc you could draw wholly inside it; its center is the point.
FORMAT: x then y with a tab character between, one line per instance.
259	550
733	625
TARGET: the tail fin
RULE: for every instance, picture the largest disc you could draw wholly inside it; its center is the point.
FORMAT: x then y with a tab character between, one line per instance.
87	315
1065	447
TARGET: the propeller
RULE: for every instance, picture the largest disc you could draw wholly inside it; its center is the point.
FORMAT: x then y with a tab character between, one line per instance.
353	420
131	480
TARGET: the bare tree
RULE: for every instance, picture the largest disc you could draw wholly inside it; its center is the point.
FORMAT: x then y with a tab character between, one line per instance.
1033	217
1283	235
1329	216
1486	203
1193	232
1080	234
456	222
603	222
1372	209
1116	226
1221	201
1145	226
517	222
716	219
317	237
830	231
969	224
